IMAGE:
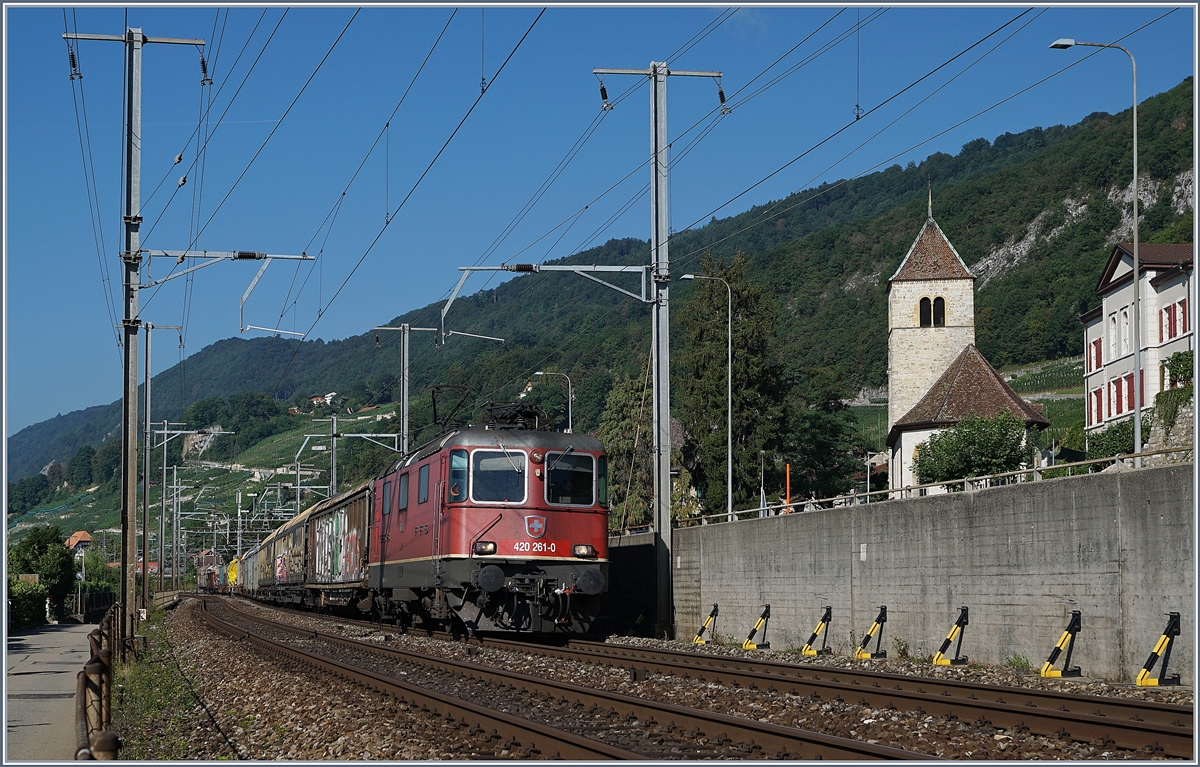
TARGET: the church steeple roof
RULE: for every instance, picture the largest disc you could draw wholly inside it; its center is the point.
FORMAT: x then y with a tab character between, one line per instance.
931	256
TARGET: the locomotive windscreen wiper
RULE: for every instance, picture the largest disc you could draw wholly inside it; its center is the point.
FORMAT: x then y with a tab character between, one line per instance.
570	448
516	468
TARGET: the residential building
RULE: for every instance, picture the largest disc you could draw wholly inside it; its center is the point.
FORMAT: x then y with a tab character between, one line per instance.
79	542
1166	294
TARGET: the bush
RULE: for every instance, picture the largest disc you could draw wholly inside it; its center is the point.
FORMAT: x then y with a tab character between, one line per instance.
28	602
1167	404
1117	439
975	447
1179	367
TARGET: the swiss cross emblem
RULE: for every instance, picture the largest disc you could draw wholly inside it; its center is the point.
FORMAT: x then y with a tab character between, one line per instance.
535	526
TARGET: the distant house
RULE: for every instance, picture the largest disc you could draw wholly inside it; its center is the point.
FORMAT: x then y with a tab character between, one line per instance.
79	543
1166	292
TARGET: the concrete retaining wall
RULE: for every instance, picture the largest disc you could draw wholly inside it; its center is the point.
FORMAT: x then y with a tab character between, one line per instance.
1117	546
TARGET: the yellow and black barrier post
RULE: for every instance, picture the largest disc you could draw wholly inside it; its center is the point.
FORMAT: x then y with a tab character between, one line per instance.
876	630
959	628
709	622
761	623
1162	649
822	625
1067	642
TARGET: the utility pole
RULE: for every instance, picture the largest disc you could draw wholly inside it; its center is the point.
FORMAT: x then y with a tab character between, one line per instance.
131	256
405	329
660	324
146	469
659	273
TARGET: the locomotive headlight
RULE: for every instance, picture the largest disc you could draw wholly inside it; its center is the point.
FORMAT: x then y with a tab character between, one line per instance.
482	548
584	550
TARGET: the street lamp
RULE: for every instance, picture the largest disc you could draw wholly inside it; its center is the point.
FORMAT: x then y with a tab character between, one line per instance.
1066	42
728	388
570	395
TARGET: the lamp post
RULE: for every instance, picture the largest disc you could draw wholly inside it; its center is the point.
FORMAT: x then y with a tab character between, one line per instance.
728	389
570	395
1066	42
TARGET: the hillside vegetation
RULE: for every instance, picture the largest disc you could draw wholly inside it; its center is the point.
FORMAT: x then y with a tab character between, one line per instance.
1034	214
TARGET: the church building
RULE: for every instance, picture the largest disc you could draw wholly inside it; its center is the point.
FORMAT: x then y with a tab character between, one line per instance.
936	376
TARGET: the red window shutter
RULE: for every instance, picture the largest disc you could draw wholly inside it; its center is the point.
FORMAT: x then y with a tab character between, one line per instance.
1129	392
1184	311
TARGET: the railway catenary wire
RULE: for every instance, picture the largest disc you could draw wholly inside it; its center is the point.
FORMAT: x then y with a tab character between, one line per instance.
650	729
528	284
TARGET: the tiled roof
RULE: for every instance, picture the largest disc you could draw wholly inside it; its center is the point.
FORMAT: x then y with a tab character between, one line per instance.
1159	254
969	386
1151	255
77	537
932	257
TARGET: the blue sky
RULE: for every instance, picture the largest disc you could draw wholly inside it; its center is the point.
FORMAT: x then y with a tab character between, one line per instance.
61	353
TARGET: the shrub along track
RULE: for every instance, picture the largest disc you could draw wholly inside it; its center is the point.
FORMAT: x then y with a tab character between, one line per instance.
543	717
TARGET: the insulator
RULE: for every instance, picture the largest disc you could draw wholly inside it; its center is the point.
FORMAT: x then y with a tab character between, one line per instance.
74	64
603	93
179	158
721	95
203	66
376	339
183	179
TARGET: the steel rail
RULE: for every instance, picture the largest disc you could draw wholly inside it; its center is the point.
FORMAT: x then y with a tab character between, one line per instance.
771	740
1086	718
535	738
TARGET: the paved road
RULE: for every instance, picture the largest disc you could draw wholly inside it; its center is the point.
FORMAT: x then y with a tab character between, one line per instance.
42	666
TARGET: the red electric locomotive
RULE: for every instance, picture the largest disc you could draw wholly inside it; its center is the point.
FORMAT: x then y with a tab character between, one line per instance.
502	525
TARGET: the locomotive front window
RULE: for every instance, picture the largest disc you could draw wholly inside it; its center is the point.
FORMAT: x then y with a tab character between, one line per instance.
458	475
498	476
569	479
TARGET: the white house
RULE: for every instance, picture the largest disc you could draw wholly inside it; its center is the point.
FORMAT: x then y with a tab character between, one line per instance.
1166	294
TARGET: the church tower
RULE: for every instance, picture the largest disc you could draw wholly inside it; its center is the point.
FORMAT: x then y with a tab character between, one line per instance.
931	317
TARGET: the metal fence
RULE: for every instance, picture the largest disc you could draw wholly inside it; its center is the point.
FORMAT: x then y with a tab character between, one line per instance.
93	694
966	484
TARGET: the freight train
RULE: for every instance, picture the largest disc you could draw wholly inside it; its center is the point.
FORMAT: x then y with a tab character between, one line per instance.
499	527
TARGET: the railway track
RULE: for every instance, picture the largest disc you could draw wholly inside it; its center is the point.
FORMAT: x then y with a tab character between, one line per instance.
586	721
1119	723
1125	724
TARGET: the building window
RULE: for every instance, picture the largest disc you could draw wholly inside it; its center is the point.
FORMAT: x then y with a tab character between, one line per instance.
1096	357
1173	321
1124	331
1112	336
1096	411
926	313
939	312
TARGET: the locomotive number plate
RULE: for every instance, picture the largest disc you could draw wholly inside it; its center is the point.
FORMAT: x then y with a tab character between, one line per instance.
535	547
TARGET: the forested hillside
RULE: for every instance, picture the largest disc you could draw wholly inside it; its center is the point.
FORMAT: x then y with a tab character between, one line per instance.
1034	214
